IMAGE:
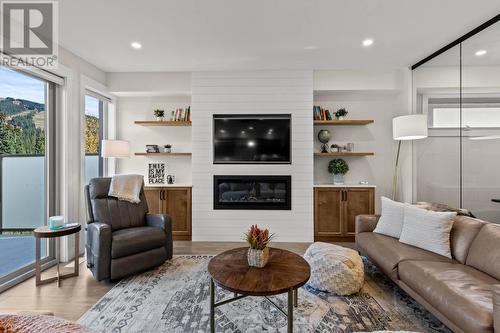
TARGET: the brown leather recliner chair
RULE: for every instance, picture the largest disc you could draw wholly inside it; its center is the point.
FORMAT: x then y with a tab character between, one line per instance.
122	238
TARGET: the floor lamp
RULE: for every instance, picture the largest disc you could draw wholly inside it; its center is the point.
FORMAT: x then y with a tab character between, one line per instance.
406	128
115	149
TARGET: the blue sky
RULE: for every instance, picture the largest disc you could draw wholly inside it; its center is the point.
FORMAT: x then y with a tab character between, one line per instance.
17	85
91	106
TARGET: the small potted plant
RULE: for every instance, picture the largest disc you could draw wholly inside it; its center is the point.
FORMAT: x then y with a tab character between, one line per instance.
159	114
258	239
338	167
335	148
341	114
167	148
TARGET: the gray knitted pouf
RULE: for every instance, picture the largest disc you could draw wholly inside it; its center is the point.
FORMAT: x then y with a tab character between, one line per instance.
335	269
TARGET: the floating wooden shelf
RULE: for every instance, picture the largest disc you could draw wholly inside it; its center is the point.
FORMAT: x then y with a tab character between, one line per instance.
163	154
162	123
343	122
346	153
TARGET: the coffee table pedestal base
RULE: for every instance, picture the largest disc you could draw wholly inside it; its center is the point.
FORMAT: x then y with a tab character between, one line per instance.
292	302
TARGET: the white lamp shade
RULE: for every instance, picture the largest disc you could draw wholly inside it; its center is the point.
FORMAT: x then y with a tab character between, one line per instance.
411	127
115	148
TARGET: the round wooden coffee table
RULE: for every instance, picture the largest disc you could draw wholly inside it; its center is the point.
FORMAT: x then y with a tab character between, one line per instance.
284	273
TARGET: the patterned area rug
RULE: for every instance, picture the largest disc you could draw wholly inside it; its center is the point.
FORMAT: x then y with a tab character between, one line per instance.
175	298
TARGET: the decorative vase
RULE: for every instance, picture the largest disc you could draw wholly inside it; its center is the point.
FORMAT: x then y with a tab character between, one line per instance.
338	179
340	118
167	149
160	118
258	258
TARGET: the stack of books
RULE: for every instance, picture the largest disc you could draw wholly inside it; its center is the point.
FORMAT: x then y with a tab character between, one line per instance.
181	114
321	114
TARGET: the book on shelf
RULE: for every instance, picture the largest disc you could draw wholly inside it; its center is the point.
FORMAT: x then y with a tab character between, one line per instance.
181	114
320	113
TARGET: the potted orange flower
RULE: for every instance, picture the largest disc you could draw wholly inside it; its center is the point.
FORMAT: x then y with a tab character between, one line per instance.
258	239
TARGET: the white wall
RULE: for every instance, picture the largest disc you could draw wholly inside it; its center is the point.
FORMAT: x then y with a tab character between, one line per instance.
149	84
356	80
259	92
141	108
139	94
70	144
376	137
378	95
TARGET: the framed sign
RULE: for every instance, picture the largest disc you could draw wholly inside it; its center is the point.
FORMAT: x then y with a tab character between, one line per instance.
156	173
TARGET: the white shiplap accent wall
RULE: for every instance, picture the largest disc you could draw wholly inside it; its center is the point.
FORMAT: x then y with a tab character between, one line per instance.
259	92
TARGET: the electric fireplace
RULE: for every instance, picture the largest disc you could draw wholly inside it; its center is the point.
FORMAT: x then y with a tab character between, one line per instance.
252	192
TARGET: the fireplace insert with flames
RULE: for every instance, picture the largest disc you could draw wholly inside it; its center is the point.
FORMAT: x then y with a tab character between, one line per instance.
252	192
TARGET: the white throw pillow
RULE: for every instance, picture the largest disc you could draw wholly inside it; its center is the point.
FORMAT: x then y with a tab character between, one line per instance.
427	230
391	219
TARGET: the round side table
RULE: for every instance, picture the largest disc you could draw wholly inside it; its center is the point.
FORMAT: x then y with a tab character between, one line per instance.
45	232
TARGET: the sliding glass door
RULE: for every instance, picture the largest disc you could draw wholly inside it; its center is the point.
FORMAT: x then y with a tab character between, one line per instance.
26	171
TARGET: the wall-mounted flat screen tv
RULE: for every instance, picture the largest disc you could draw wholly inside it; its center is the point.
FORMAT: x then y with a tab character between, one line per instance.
252	139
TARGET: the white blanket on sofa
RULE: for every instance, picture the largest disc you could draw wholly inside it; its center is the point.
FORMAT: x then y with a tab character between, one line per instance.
126	187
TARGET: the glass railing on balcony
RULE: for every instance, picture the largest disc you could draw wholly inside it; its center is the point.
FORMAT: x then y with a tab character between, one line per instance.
22	206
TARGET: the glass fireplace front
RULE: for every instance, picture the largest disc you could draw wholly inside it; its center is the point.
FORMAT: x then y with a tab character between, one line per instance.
252	192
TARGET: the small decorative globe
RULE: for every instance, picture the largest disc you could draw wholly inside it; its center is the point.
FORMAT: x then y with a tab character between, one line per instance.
324	136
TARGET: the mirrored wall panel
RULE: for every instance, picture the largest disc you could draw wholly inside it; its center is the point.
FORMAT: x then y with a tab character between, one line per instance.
436	87
459	91
481	123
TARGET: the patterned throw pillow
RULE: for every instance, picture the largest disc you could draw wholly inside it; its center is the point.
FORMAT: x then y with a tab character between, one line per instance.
27	323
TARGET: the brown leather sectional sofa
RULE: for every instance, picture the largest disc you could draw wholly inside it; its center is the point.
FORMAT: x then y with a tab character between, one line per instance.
463	292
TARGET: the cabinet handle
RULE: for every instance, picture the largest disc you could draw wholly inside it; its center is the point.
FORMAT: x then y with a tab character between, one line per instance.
161	195
345	195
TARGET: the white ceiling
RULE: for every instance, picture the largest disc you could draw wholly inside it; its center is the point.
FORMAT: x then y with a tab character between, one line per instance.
187	35
487	40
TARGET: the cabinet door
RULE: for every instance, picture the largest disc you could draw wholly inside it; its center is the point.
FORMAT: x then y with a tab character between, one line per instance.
154	199
327	212
178	206
357	201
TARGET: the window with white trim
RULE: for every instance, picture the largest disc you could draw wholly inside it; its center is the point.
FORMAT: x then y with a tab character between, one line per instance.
478	114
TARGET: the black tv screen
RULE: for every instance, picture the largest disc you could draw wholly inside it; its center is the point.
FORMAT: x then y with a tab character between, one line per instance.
252	139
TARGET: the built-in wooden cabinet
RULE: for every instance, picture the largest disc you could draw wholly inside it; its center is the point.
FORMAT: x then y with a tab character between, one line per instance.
335	210
176	202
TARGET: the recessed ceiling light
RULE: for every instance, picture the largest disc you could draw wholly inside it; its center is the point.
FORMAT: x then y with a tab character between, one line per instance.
136	45
310	47
368	42
481	53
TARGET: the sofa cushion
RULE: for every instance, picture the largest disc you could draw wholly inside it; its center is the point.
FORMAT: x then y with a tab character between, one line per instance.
130	241
461	293
391	220
484	253
387	252
463	232
427	230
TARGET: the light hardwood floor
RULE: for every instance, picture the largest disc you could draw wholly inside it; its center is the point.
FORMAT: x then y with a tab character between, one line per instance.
77	295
